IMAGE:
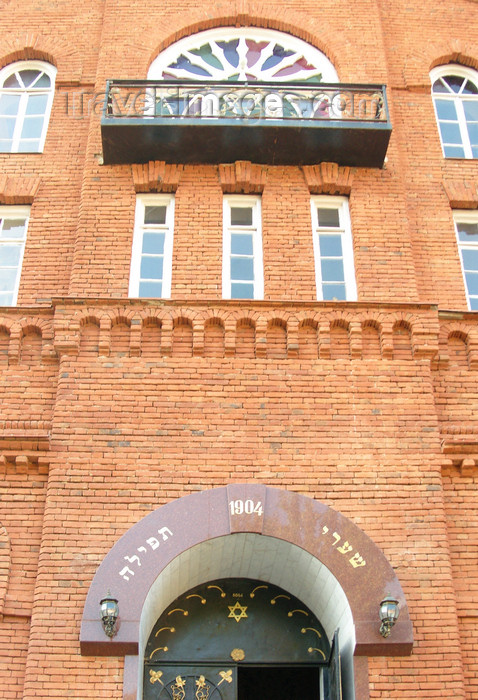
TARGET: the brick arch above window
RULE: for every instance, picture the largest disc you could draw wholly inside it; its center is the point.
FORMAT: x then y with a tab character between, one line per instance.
38	47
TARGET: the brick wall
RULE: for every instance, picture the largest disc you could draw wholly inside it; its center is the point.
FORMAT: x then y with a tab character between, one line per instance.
112	407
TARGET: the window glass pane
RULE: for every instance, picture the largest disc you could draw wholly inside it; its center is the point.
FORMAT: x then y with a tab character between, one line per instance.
474	151
328	217
153	243
241	216
7	127
32	128
472	282
7	280
5	146
242	291
467	232
150	289
10	254
28	76
450	132
454	152
151	268
333	291
241	244
446	109
470	88
29	147
471	110
13	228
474	303
11	82
439	86
9	104
330	246
332	270
242	269
454	82
473	133
6	299
470	259
43	81
36	104
155	215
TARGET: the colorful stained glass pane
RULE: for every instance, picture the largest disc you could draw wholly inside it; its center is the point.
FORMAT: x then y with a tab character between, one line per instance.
205	52
278	55
185	64
230	51
254	49
296	67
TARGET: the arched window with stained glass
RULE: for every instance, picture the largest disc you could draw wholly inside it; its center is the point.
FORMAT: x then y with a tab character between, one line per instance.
243	54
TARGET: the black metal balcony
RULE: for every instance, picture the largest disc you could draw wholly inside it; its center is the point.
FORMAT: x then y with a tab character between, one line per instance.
274	123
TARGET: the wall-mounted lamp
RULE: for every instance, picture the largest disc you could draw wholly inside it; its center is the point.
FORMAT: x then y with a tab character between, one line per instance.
109	614
389	612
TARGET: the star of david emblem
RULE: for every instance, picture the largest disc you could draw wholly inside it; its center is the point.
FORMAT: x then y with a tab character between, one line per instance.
237	611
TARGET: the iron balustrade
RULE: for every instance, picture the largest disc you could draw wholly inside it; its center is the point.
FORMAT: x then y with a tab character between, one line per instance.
304	102
221	122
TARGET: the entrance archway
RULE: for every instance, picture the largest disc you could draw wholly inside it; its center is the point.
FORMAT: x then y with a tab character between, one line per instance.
253	531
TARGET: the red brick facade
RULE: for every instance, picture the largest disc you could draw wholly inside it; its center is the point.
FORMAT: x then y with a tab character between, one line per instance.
112	407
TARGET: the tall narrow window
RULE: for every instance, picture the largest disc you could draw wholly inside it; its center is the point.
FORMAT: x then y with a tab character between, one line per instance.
152	255
13	232
242	270
333	249
466	226
455	96
26	96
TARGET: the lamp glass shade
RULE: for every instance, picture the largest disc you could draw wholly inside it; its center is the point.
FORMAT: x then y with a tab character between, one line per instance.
389	609
109	608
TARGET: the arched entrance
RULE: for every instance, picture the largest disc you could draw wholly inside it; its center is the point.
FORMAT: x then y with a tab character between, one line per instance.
247	531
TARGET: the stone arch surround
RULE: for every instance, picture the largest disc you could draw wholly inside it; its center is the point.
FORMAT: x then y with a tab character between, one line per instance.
302	545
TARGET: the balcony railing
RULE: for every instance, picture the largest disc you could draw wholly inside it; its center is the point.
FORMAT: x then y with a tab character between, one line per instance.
275	123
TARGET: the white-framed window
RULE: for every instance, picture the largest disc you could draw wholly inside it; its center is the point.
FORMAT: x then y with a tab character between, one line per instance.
333	249
13	233
466	227
455	97
242	266
26	97
152	253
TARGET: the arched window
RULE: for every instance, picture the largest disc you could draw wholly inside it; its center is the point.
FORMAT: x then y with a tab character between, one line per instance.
455	96
242	54
26	96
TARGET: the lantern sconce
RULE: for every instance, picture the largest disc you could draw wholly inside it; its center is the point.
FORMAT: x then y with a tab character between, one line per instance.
389	612
109	614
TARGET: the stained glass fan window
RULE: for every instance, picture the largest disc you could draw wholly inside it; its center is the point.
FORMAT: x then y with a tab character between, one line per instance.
246	54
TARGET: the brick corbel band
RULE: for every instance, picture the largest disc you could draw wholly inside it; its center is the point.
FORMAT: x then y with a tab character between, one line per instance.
461	193
328	178
18	190
156	176
242	177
